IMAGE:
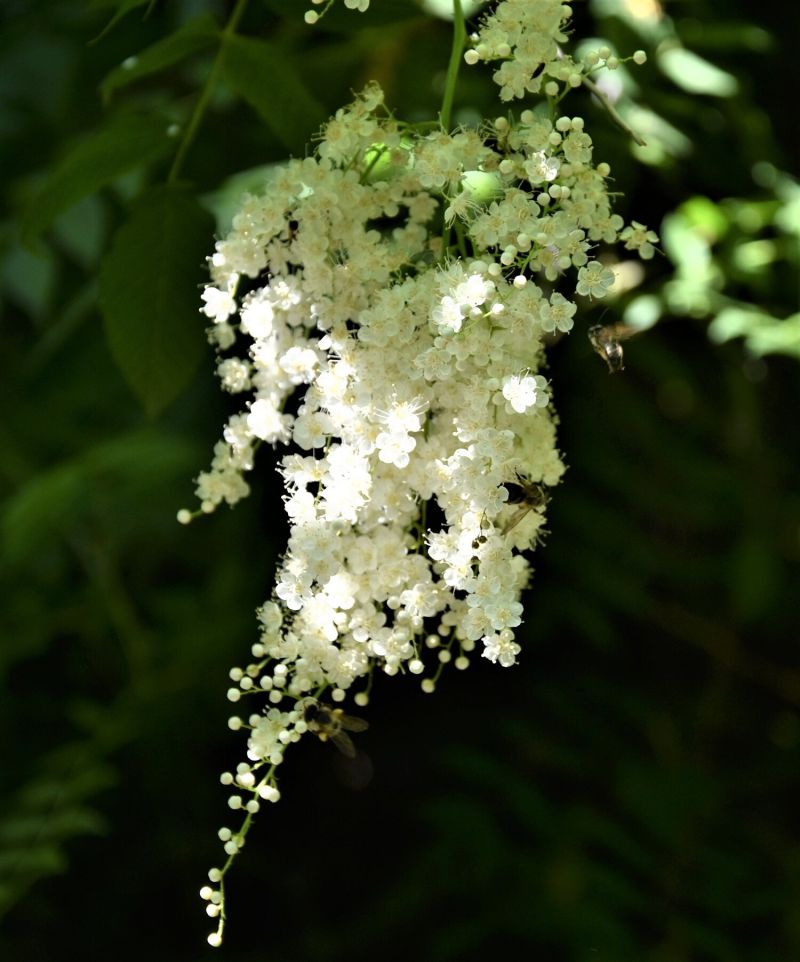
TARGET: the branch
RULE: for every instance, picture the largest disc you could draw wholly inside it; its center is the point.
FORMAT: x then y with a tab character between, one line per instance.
604	100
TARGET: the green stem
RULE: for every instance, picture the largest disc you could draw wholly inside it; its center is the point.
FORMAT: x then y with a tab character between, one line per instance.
205	94
612	111
134	639
456	52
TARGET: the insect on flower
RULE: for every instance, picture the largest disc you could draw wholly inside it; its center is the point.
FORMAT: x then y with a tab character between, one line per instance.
606	341
332	724
527	495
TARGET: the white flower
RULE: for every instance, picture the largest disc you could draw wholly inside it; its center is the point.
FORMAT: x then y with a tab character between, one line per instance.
447	315
501	647
300	364
595	280
638	238
404	416
234	374
557	314
312	429
394	448
264	739
265	421
523	391
219	305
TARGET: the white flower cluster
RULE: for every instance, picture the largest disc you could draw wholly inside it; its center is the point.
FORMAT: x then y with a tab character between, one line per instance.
387	318
311	16
525	35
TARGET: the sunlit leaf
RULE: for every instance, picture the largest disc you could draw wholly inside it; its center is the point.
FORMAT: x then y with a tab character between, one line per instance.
706	217
763	333
778	337
663	138
646	17
694	74
787	217
686	248
754	256
643	311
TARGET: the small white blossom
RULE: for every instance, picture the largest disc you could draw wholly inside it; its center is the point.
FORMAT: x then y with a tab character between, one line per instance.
234	374
638	238
501	647
523	391
595	280
557	314
219	305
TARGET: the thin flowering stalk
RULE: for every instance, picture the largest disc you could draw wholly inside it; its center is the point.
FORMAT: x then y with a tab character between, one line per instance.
205	94
456	55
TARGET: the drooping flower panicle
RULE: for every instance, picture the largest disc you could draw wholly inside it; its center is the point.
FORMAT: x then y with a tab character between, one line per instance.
387	324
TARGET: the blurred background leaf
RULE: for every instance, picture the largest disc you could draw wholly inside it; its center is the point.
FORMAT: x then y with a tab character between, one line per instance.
147	282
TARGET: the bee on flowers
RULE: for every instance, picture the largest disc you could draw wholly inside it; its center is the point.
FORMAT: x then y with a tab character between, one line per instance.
527	495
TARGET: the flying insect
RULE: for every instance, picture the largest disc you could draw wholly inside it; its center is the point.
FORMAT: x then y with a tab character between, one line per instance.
607	342
332	724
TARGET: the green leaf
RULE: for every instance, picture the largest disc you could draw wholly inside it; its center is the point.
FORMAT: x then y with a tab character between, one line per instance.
696	75
81	231
777	337
29	279
706	217
687	248
270	82
787	217
148	294
763	333
753	256
754	577
123	8
41	506
196	35
126	142
60	497
643	312
133	463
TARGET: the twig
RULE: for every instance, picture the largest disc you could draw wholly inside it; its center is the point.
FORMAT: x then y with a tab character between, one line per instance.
604	100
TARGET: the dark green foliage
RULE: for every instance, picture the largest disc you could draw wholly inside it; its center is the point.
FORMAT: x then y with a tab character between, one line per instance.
128	141
193	37
270	81
629	792
148	281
